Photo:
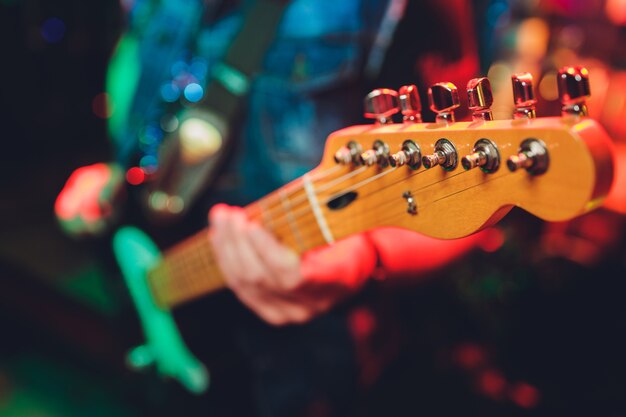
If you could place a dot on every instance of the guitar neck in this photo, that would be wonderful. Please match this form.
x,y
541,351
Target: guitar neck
x,y
293,214
336,200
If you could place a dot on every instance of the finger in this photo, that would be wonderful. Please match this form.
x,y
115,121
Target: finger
x,y
250,267
275,310
346,263
223,244
282,262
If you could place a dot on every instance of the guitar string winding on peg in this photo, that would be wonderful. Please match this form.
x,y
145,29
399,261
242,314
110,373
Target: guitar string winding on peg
x,y
484,155
532,156
480,98
573,84
444,155
523,96
381,104
410,155
349,154
443,99
379,154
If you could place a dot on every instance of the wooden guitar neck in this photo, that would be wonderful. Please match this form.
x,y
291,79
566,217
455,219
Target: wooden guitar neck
x,y
335,200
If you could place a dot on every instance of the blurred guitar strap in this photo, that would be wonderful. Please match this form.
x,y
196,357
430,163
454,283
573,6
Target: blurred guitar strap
x,y
191,157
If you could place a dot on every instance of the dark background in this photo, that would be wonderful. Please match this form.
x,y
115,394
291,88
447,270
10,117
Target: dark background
x,y
494,335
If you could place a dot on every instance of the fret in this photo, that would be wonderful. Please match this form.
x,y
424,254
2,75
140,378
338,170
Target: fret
x,y
266,216
284,199
189,270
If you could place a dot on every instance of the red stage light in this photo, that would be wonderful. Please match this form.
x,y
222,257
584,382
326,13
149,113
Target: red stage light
x,y
525,395
135,176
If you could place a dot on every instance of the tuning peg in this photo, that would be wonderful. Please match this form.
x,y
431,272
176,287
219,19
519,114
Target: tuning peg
x,y
410,155
532,156
523,96
381,104
410,103
480,98
444,155
443,98
349,154
379,154
573,83
484,155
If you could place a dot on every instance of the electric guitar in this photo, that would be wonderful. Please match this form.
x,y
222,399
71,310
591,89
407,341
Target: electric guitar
x,y
445,179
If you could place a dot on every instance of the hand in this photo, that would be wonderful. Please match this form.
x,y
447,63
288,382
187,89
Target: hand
x,y
273,281
87,203
283,288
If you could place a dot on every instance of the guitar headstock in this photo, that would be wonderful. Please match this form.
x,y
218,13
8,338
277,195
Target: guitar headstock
x,y
449,179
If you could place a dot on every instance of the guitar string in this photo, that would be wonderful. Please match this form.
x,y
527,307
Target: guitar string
x,y
300,213
177,252
303,208
206,284
312,228
334,222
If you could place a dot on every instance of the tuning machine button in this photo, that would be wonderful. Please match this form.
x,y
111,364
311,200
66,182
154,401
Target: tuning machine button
x,y
480,98
445,155
349,154
410,104
381,104
532,156
484,155
523,96
410,155
443,99
379,154
573,83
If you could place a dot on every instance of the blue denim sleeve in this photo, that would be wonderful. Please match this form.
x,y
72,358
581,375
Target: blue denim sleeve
x,y
306,90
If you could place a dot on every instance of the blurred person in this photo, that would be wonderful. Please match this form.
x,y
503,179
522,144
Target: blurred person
x,y
310,84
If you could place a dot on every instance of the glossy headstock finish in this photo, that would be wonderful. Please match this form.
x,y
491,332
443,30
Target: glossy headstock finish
x,y
455,203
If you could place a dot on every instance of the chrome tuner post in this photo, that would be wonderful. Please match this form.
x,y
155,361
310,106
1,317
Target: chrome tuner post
x,y
349,154
379,154
480,98
532,156
410,155
573,83
523,96
484,155
445,156
381,104
410,104
443,99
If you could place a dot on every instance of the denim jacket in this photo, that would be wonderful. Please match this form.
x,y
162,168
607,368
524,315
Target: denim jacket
x,y
302,93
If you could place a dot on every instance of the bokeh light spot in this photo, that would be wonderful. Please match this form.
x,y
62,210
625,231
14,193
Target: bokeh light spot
x,y
148,163
53,30
525,395
548,88
135,176
101,106
170,92
193,92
